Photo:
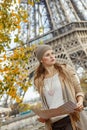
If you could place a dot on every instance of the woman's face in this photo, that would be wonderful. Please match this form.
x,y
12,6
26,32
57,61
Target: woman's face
x,y
48,58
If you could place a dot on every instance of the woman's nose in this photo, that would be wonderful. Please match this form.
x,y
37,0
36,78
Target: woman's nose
x,y
52,56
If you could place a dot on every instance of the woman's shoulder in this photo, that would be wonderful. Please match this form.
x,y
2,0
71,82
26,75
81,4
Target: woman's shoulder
x,y
66,66
63,65
69,68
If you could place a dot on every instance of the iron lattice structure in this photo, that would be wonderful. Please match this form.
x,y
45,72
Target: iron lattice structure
x,y
60,23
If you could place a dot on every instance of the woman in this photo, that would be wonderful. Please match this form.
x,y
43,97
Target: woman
x,y
57,84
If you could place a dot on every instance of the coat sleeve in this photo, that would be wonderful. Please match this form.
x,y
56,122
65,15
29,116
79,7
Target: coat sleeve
x,y
75,80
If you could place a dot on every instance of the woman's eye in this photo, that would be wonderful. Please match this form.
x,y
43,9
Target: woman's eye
x,y
52,53
47,54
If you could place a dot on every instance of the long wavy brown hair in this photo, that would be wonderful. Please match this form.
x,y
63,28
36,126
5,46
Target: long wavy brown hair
x,y
40,74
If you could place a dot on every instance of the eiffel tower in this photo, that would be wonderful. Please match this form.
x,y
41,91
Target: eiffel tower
x,y
61,24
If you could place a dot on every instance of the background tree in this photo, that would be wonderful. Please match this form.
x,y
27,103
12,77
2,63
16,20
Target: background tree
x,y
14,75
11,16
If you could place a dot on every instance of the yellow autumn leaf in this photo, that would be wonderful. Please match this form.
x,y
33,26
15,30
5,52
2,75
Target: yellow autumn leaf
x,y
1,60
19,27
1,26
41,30
1,70
24,89
5,57
13,14
19,1
25,21
6,69
18,100
17,22
31,2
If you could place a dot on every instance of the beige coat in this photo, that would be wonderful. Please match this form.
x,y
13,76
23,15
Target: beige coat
x,y
71,89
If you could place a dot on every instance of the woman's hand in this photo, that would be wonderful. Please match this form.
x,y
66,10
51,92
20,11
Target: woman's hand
x,y
79,104
42,120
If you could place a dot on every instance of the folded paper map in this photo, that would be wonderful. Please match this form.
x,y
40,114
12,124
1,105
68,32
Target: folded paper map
x,y
66,108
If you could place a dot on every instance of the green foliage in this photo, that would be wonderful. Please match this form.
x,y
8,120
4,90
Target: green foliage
x,y
10,18
13,66
15,73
